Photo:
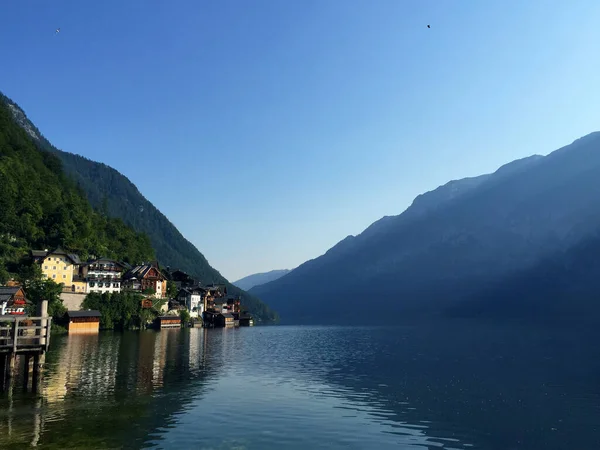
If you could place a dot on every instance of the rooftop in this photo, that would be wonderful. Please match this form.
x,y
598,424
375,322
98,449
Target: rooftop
x,y
59,251
84,314
6,292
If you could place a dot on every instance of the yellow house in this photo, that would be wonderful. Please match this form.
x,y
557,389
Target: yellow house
x,y
61,267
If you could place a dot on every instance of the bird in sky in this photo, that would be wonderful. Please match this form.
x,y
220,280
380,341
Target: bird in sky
x,y
428,26
57,30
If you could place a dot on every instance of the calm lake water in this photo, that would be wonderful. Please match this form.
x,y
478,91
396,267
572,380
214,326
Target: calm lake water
x,y
456,386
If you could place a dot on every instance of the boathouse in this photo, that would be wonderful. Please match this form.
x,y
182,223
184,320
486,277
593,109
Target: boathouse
x,y
246,320
83,321
170,321
225,320
215,319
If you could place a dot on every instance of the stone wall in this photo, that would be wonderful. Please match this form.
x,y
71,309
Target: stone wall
x,y
72,301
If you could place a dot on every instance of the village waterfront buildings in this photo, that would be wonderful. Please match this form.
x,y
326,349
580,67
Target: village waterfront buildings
x,y
207,304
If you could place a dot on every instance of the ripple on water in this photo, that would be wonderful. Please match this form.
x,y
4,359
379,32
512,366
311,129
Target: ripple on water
x,y
310,387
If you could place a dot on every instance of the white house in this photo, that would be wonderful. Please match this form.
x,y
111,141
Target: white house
x,y
193,299
103,275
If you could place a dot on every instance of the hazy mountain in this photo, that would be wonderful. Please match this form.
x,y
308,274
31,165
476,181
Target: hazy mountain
x,y
562,287
256,279
451,243
113,194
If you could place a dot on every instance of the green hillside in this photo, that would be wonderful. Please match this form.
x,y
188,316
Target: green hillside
x,y
41,207
112,194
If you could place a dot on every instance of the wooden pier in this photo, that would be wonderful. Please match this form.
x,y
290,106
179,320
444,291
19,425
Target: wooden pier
x,y
26,338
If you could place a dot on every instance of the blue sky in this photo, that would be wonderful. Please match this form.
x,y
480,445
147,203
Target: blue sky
x,y
267,131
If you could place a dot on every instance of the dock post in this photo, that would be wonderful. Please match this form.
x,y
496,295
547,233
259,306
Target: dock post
x,y
12,363
44,339
2,371
42,311
35,382
27,359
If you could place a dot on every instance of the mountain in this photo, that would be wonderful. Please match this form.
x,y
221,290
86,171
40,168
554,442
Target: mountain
x,y
259,278
41,207
451,243
562,287
111,193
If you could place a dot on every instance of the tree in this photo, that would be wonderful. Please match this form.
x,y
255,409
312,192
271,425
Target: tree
x,y
120,311
185,316
171,289
38,290
149,291
4,275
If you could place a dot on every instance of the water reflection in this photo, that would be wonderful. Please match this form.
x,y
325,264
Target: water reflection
x,y
311,387
107,390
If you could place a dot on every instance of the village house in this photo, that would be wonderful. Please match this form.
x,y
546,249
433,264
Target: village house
x,y
61,267
103,275
193,299
182,279
213,293
144,277
12,300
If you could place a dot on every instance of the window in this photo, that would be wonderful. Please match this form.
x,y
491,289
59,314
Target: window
x,y
115,285
92,284
53,267
65,268
46,267
53,276
64,276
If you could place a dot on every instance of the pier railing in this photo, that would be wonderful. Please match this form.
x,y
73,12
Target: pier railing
x,y
24,334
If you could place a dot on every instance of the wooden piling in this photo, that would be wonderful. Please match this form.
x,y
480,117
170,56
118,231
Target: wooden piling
x,y
37,366
2,372
26,361
12,364
17,339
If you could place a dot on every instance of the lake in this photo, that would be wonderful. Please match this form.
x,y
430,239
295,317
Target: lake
x,y
460,385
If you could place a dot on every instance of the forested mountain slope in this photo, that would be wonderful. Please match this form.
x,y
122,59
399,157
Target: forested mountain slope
x,y
41,207
113,194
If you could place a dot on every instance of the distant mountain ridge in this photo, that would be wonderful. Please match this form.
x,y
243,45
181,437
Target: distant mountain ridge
x,y
256,279
114,194
451,242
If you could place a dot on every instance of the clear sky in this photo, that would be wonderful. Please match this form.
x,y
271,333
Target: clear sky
x,y
267,131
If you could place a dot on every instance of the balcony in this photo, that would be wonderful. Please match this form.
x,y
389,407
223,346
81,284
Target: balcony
x,y
99,268
103,279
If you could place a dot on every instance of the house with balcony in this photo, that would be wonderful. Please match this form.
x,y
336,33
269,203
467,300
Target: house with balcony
x,y
144,277
103,275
